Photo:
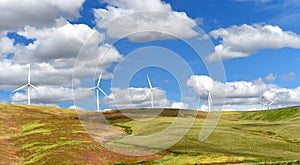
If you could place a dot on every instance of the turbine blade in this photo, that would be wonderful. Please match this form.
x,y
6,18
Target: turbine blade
x,y
28,78
24,86
274,101
91,88
147,95
149,82
99,79
102,91
35,88
268,99
159,89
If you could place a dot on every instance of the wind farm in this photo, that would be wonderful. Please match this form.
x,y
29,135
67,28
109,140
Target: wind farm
x,y
121,82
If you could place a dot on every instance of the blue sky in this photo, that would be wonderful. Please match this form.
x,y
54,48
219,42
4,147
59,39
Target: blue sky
x,y
255,42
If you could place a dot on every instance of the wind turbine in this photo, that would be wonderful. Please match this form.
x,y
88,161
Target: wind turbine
x,y
28,85
206,83
150,92
265,101
97,88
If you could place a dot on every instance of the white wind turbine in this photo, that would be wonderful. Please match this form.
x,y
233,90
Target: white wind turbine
x,y
28,85
150,92
97,88
208,87
206,83
267,101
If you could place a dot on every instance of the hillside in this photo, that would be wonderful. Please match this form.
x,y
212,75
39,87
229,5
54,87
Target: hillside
x,y
49,135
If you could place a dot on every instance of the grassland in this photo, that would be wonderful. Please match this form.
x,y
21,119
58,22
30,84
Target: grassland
x,y
49,135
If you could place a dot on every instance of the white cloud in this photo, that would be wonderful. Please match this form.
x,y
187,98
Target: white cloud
x,y
143,26
6,46
270,77
236,90
56,43
51,95
200,82
141,5
16,14
52,57
75,107
54,54
243,94
203,108
134,98
180,105
244,40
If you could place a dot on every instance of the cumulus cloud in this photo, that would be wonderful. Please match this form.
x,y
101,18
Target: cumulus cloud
x,y
180,105
135,98
62,42
16,14
153,20
241,94
52,56
54,52
200,82
244,40
50,95
6,46
235,91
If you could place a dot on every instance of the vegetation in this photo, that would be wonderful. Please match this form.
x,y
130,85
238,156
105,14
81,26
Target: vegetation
x,y
49,135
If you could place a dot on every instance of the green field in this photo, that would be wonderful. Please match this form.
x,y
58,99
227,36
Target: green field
x,y
49,135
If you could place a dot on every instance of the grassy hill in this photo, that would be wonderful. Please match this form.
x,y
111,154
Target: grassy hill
x,y
49,135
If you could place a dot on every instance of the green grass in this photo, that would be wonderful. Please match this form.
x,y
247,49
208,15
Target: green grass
x,y
40,150
273,115
49,135
263,136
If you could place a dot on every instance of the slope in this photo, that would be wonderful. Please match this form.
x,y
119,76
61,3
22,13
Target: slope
x,y
49,135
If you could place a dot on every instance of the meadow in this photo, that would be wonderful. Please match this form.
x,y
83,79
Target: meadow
x,y
49,135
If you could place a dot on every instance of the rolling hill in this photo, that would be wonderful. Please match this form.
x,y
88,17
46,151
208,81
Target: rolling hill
x,y
49,135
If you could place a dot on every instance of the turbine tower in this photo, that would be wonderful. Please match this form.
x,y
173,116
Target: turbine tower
x,y
207,85
150,92
28,85
97,88
209,99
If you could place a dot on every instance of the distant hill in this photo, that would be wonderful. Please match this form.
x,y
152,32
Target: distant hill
x,y
49,135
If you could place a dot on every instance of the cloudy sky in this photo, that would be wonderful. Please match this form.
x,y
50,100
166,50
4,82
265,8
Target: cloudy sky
x,y
241,49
